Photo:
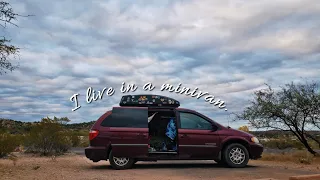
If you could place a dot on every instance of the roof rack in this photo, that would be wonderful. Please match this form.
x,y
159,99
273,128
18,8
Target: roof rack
x,y
148,100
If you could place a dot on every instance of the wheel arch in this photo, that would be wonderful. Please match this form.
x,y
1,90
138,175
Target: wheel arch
x,y
109,148
238,140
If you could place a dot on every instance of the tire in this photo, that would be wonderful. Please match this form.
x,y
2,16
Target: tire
x,y
241,153
120,163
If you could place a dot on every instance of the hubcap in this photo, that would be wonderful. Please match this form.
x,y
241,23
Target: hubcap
x,y
120,161
237,155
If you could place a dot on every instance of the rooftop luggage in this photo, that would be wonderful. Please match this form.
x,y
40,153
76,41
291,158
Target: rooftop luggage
x,y
148,101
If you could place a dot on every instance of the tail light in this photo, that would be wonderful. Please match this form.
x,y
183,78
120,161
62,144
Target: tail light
x,y
93,134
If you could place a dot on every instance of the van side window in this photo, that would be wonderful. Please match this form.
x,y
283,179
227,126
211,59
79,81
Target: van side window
x,y
192,121
126,117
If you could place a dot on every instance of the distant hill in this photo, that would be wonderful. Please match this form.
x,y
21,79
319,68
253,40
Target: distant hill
x,y
277,133
19,127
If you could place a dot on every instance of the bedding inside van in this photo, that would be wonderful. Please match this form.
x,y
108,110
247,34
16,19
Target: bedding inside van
x,y
162,131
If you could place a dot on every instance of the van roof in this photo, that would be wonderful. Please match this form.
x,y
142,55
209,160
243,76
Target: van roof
x,y
164,107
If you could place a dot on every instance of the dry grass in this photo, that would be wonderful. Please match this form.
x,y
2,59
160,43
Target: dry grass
x,y
13,158
303,157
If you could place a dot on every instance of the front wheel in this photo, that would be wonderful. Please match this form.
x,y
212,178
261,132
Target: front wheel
x,y
236,155
120,163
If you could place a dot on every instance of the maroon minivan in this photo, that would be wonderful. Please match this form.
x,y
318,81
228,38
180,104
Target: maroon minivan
x,y
153,127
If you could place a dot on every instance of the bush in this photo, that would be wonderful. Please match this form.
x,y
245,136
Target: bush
x,y
84,143
79,138
48,137
8,143
283,144
244,128
298,156
75,140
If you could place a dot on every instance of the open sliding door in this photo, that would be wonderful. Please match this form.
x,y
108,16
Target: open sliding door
x,y
129,138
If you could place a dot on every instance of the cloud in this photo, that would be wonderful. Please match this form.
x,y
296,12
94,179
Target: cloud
x,y
226,48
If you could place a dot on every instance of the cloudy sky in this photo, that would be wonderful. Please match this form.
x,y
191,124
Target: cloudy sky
x,y
227,48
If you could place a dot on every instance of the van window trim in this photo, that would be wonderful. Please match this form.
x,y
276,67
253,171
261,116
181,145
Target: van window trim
x,y
197,114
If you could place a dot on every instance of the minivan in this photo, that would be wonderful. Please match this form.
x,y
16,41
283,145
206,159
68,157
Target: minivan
x,y
153,127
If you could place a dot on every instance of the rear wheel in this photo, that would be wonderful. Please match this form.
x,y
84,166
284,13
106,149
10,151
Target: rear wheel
x,y
120,162
236,155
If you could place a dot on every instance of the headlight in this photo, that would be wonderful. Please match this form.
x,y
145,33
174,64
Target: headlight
x,y
255,140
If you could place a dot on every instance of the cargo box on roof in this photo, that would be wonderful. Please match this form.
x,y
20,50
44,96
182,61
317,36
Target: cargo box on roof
x,y
148,101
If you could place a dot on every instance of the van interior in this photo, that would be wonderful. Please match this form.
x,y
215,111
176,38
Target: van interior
x,y
162,132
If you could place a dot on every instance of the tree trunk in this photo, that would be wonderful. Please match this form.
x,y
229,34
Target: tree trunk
x,y
306,144
313,138
302,138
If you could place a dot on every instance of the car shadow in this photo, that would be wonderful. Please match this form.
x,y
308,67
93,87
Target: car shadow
x,y
172,166
180,166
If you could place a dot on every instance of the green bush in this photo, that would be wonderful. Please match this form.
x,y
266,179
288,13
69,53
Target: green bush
x,y
84,142
75,140
79,138
48,137
83,133
8,143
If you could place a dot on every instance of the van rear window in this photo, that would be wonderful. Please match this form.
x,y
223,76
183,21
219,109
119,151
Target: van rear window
x,y
127,117
105,122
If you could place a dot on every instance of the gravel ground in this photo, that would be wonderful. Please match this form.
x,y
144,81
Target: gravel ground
x,y
74,166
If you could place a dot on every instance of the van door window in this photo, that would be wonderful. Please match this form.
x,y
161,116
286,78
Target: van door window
x,y
127,117
192,121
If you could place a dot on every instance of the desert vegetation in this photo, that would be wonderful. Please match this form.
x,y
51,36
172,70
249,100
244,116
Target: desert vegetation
x,y
282,146
7,50
294,108
50,136
55,136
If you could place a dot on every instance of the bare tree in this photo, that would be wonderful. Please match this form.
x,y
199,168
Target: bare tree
x,y
7,16
295,107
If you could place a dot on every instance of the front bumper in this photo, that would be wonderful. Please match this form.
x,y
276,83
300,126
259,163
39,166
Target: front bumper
x,y
256,151
96,153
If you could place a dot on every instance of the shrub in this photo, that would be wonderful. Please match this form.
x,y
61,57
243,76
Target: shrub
x,y
283,144
75,140
84,143
79,138
8,143
48,137
299,156
244,128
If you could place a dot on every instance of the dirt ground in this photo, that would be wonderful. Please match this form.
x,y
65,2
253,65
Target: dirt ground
x,y
75,166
